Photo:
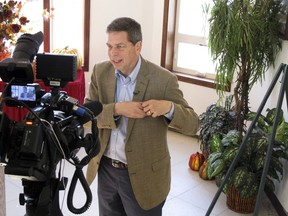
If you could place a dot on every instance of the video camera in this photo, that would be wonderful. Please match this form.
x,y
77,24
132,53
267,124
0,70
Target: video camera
x,y
51,131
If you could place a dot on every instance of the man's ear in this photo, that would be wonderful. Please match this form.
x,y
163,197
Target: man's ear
x,y
138,46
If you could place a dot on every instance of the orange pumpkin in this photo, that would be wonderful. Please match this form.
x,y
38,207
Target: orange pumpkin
x,y
72,51
196,160
203,171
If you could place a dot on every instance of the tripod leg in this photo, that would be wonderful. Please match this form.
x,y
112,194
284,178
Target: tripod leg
x,y
283,89
31,196
42,198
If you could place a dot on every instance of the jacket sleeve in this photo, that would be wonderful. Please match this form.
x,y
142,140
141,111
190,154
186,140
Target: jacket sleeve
x,y
185,119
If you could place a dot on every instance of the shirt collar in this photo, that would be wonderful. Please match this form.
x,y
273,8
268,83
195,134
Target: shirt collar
x,y
133,74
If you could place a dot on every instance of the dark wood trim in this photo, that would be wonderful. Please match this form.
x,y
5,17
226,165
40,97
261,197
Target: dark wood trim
x,y
46,27
209,83
86,34
168,33
167,49
195,80
164,33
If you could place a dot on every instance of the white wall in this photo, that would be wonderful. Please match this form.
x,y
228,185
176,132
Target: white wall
x,y
149,14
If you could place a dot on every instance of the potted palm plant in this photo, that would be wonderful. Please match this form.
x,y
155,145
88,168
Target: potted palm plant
x,y
244,39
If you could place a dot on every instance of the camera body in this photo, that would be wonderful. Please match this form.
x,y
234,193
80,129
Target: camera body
x,y
25,151
51,131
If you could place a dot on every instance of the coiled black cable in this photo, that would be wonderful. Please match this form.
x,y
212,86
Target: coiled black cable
x,y
78,174
92,151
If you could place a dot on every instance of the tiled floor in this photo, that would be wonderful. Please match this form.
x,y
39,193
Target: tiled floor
x,y
189,195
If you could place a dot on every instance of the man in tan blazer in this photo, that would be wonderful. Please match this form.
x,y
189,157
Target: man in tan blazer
x,y
140,100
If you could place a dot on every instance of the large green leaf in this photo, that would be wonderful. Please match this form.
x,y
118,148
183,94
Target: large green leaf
x,y
258,162
232,137
214,156
250,189
282,134
271,115
277,166
211,165
261,145
216,144
217,167
229,153
245,182
260,121
239,176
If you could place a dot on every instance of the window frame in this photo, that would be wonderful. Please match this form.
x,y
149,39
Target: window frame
x,y
86,41
167,50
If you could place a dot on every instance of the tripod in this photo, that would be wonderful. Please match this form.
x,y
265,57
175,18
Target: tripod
x,y
283,68
42,198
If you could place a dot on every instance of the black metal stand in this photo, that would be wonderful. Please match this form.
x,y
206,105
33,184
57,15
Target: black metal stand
x,y
283,68
42,198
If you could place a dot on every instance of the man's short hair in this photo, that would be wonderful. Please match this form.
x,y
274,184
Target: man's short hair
x,y
128,25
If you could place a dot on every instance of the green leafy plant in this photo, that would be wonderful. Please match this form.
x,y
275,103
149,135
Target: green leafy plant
x,y
247,173
244,39
217,120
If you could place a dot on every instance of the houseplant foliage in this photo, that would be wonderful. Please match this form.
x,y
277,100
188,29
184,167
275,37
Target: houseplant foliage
x,y
216,121
244,38
246,175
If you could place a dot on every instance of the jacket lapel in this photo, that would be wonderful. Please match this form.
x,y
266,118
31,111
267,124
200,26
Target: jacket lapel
x,y
111,81
139,91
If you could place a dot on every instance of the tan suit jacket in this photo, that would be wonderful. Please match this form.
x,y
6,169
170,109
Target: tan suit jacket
x,y
146,148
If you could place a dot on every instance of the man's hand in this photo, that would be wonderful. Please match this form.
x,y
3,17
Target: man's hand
x,y
130,109
156,108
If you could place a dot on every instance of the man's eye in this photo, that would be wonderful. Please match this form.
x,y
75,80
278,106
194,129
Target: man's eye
x,y
117,47
120,46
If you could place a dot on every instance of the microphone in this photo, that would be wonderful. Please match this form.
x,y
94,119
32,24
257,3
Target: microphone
x,y
136,92
94,106
87,112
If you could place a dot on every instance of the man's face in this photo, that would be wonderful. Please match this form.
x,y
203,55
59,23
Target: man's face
x,y
122,53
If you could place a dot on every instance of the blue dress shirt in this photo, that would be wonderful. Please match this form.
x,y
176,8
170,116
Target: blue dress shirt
x,y
124,92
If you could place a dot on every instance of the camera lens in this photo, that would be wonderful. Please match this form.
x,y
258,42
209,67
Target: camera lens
x,y
27,46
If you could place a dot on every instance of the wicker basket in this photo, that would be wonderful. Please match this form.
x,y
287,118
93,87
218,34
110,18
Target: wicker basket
x,y
238,204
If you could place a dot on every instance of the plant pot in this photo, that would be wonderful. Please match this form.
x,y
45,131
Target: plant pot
x,y
238,204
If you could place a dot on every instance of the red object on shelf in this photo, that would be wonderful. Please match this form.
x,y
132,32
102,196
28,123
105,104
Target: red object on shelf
x,y
75,89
